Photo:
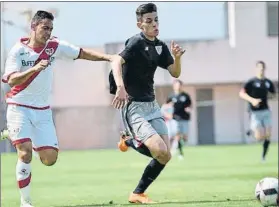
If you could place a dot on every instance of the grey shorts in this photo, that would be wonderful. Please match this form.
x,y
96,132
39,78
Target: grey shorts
x,y
177,127
142,120
260,119
182,127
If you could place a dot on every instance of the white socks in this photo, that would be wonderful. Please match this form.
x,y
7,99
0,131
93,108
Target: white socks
x,y
23,176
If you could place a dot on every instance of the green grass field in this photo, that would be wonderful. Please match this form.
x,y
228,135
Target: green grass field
x,y
219,176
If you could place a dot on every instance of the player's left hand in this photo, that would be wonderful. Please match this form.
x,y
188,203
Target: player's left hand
x,y
121,98
176,50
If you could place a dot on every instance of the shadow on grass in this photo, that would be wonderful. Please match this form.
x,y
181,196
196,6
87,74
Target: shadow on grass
x,y
163,203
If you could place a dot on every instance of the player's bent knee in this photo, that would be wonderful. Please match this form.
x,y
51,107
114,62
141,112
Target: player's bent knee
x,y
48,161
158,149
163,156
25,156
24,151
155,144
48,157
167,157
259,135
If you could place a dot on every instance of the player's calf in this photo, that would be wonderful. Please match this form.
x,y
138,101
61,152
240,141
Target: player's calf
x,y
23,171
266,143
161,155
268,133
48,156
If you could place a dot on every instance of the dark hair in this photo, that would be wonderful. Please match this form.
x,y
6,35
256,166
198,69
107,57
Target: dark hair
x,y
178,81
261,62
169,99
144,9
41,15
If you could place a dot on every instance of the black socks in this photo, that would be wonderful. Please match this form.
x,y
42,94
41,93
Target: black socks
x,y
265,147
180,147
150,173
142,149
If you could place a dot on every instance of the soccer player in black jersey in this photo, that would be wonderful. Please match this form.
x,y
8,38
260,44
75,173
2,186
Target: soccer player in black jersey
x,y
132,82
257,91
182,104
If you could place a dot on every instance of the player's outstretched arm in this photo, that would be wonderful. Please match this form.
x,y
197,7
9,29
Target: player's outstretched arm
x,y
116,65
69,51
89,54
177,52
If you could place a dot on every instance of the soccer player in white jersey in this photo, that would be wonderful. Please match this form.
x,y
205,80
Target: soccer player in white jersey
x,y
28,72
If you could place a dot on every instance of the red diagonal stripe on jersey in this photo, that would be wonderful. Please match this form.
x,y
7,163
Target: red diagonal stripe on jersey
x,y
43,56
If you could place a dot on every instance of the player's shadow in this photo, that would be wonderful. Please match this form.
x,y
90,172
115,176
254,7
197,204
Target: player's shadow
x,y
164,203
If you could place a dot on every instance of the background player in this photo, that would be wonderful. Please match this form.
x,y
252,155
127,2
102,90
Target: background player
x,y
167,112
257,91
182,107
142,55
28,71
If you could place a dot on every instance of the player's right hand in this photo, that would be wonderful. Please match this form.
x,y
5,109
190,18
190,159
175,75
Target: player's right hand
x,y
121,98
256,102
42,65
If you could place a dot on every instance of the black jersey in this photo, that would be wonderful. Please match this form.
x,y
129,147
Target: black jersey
x,y
180,102
142,57
259,88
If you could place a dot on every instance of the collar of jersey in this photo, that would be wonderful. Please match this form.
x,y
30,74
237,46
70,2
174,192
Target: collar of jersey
x,y
149,41
24,39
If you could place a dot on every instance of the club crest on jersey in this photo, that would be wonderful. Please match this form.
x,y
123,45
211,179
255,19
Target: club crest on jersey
x,y
267,84
174,100
49,51
183,98
257,84
158,49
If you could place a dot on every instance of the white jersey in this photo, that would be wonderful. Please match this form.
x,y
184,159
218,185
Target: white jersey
x,y
35,93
